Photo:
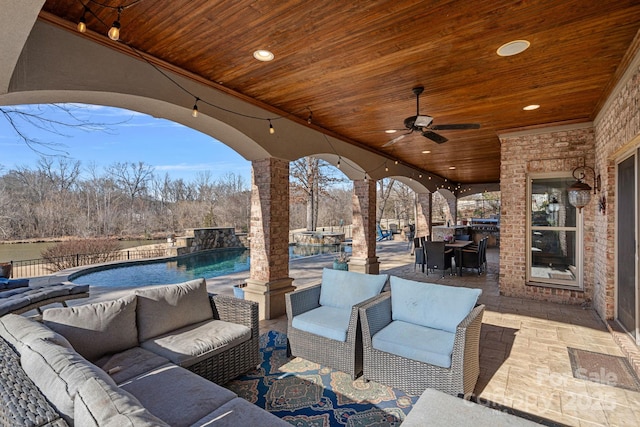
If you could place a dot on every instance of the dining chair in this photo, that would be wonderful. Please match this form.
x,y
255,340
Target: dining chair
x,y
438,257
418,252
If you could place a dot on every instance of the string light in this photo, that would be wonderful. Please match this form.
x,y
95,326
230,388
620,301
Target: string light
x,y
386,168
194,113
114,31
82,23
271,129
338,165
310,116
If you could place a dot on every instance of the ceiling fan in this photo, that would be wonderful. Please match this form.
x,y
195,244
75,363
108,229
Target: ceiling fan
x,y
424,124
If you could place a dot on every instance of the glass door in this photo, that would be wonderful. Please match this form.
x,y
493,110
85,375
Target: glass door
x,y
627,294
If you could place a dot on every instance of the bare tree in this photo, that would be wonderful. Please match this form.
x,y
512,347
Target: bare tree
x,y
385,186
24,118
310,180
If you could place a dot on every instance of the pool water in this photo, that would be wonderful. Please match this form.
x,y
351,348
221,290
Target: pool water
x,y
214,263
204,264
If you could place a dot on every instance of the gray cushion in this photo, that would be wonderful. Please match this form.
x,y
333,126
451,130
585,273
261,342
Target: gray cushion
x,y
177,396
58,372
428,304
96,329
326,321
130,363
344,289
19,330
415,342
162,309
191,344
98,403
239,412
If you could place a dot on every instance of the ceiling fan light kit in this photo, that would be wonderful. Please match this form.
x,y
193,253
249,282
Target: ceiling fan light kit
x,y
424,124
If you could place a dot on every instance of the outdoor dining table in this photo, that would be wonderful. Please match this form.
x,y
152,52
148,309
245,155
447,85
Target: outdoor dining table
x,y
457,247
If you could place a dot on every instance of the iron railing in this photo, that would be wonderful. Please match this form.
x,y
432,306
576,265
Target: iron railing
x,y
46,266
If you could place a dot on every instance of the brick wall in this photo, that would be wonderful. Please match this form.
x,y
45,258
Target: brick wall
x,y
269,219
617,130
557,149
364,218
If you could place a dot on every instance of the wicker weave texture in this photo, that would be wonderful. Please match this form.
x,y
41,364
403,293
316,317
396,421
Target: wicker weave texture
x,y
21,403
344,356
413,376
223,367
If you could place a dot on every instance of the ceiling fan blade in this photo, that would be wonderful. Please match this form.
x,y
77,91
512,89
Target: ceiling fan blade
x,y
396,139
434,137
459,126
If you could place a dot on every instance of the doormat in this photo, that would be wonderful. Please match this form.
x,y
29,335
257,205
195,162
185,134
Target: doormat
x,y
602,368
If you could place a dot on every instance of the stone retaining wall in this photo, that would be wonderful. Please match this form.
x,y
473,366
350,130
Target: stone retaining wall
x,y
202,239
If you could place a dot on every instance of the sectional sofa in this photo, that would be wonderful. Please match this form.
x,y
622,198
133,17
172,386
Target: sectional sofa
x,y
156,357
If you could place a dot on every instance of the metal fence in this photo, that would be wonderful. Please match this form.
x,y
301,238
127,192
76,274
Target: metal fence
x,y
43,267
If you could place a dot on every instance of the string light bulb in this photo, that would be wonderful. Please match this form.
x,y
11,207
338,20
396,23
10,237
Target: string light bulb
x,y
114,31
82,23
271,129
386,168
309,119
194,113
338,165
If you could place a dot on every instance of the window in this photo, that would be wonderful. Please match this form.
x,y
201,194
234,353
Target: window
x,y
554,233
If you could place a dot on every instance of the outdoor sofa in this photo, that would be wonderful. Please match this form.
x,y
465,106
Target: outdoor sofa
x,y
18,296
132,362
423,335
322,320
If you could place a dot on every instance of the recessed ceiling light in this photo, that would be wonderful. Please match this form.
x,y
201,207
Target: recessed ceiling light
x,y
531,107
263,55
452,167
390,131
426,151
513,48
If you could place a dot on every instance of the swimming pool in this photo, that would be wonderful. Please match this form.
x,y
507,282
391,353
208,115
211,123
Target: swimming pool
x,y
207,264
214,263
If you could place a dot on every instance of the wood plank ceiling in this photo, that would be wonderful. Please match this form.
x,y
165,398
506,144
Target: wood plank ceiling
x,y
354,64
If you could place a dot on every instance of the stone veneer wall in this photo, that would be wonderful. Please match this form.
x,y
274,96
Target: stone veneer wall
x,y
558,149
617,130
202,239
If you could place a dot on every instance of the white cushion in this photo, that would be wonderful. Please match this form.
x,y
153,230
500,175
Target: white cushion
x,y
58,372
177,396
97,329
191,344
326,321
19,330
415,342
162,309
427,304
98,404
344,289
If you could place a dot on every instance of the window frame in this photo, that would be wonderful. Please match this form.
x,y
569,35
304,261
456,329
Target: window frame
x,y
578,283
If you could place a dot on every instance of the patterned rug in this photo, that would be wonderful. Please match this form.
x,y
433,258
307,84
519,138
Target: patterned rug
x,y
603,368
306,394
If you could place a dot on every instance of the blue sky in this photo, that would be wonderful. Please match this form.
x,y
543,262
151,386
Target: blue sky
x,y
129,137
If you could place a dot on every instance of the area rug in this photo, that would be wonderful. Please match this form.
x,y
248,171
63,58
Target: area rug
x,y
306,394
603,368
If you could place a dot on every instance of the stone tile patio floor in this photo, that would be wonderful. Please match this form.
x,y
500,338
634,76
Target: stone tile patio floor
x,y
523,347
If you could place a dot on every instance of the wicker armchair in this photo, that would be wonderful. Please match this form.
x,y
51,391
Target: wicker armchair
x,y
345,356
414,376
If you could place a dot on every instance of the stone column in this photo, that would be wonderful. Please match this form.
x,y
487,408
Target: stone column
x,y
364,259
269,277
424,206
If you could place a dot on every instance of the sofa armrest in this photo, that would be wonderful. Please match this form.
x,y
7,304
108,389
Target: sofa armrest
x,y
467,340
302,300
375,314
235,310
